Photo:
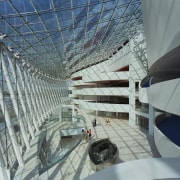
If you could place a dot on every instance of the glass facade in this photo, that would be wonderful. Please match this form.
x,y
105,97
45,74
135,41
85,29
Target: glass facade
x,y
41,44
59,37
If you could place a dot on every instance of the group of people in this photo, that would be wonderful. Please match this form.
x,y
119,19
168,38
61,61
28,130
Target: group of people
x,y
86,134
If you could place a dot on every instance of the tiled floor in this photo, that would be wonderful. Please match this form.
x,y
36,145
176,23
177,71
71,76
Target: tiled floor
x,y
132,142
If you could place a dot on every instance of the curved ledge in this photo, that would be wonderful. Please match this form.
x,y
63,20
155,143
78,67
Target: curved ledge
x,y
166,137
165,68
152,168
168,66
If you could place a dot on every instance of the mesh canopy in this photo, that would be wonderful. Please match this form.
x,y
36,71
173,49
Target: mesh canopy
x,y
59,37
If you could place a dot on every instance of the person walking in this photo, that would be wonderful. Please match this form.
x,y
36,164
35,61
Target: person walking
x,y
90,134
83,135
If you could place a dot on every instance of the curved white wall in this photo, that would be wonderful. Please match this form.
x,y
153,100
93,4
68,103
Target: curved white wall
x,y
165,147
143,97
166,96
162,27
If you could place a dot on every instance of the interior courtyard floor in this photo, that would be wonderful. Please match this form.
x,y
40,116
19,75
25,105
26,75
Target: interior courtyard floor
x,y
132,142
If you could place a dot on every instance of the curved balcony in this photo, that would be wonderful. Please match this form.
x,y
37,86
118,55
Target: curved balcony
x,y
165,95
111,76
123,91
102,106
166,135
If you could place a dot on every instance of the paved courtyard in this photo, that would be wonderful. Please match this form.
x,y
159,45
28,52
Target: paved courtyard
x,y
133,143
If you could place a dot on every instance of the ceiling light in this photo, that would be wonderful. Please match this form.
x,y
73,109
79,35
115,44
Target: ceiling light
x,y
9,48
3,36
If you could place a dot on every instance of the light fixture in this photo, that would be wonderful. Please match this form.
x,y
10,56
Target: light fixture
x,y
9,48
3,36
16,55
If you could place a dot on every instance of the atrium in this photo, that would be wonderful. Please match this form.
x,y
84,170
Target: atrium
x,y
65,64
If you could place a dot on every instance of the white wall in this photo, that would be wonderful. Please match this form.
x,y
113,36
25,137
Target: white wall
x,y
165,147
143,97
166,96
162,27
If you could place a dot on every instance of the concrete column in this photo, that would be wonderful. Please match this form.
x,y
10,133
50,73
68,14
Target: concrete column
x,y
132,116
151,120
15,104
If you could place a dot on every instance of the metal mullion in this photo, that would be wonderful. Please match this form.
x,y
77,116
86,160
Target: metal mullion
x,y
21,98
39,41
73,18
35,97
9,124
85,29
96,26
15,104
48,11
42,96
60,29
32,99
57,95
45,98
54,96
50,96
49,92
26,25
119,21
109,22
27,95
51,89
42,23
13,29
39,99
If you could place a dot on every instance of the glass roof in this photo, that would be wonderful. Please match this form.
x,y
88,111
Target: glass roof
x,y
59,37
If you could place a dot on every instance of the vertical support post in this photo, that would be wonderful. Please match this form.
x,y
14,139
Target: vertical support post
x,y
9,124
3,170
32,99
21,99
28,99
15,105
36,99
41,99
132,117
11,130
151,120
